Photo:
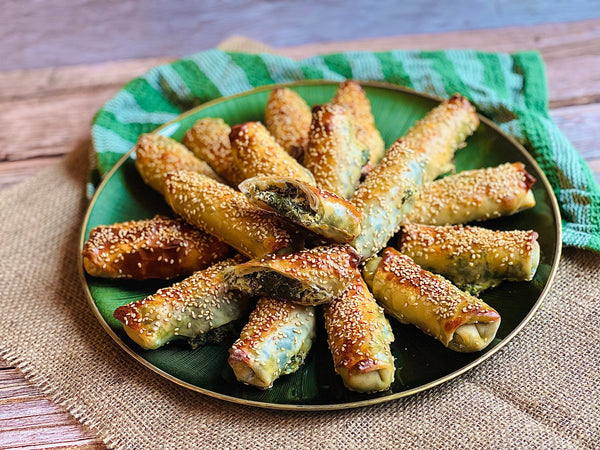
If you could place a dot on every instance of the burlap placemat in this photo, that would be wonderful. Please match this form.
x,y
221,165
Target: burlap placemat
x,y
540,391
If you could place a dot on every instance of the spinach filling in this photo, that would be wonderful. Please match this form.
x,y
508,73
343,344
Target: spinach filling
x,y
289,201
276,285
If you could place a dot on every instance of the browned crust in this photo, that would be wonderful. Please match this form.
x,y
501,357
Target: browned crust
x,y
255,153
265,317
154,248
228,214
208,139
351,95
287,117
350,208
333,148
139,315
158,155
445,201
441,132
353,322
453,307
458,240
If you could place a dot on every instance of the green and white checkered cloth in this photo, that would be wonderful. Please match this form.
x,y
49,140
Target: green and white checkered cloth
x,y
510,89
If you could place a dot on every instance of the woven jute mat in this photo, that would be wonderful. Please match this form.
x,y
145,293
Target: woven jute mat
x,y
539,391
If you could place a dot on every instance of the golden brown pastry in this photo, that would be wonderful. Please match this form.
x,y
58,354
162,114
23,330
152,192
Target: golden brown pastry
x,y
186,310
415,296
441,132
385,197
334,155
255,153
317,210
359,337
309,277
473,258
153,248
352,96
208,139
274,342
226,213
472,195
158,155
287,117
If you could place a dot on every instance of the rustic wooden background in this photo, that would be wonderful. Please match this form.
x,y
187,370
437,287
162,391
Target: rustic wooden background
x,y
61,60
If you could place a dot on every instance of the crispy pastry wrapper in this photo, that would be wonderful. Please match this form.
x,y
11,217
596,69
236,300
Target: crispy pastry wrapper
x,y
156,156
474,195
473,258
208,139
352,96
442,131
317,210
255,153
415,296
386,196
228,214
154,248
186,309
359,337
334,155
309,277
274,342
287,117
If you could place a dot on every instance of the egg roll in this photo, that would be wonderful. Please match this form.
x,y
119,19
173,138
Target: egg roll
x,y
185,310
413,295
359,337
274,342
255,152
442,131
287,117
352,96
473,258
334,155
208,139
227,214
157,155
386,196
309,277
474,195
154,248
317,210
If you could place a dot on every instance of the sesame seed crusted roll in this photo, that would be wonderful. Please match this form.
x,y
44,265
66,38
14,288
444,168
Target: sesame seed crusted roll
x,y
352,96
154,248
473,195
274,342
287,117
315,209
473,258
442,131
187,309
415,296
386,196
208,139
359,337
334,155
255,152
309,277
158,155
228,214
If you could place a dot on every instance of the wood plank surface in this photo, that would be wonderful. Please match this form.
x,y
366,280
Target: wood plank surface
x,y
46,112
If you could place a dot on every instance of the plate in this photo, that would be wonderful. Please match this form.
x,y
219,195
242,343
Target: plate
x,y
421,361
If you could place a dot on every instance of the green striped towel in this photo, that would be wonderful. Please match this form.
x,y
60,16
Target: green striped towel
x,y
510,89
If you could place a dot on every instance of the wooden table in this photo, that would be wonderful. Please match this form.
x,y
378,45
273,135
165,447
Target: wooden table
x,y
46,113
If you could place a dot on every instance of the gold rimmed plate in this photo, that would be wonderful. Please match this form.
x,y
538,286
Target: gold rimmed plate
x,y
421,361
